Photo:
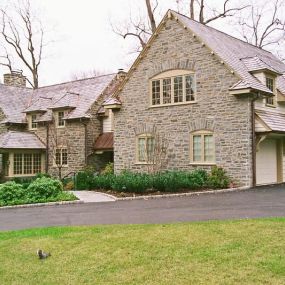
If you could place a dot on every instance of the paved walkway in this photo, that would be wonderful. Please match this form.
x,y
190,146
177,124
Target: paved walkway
x,y
255,203
92,196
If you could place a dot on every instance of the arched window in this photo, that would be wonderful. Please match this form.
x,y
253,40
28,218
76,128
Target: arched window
x,y
173,87
202,147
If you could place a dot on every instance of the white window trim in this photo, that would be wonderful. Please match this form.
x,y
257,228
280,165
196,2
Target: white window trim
x,y
30,122
202,162
57,119
54,160
171,74
145,136
274,105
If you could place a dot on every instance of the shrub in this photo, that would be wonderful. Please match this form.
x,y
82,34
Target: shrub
x,y
132,182
11,192
102,182
69,185
108,169
218,178
83,180
43,188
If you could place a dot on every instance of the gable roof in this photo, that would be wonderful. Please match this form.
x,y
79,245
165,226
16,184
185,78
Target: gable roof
x,y
20,140
242,57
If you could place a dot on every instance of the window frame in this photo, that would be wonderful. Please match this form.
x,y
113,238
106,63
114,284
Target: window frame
x,y
58,120
172,75
31,122
61,151
202,133
274,99
145,137
35,159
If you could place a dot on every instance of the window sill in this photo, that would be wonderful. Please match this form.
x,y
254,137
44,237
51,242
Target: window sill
x,y
60,127
270,106
174,104
203,163
62,166
144,163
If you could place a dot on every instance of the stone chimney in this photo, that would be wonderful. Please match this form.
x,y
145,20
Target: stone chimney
x,y
121,74
15,78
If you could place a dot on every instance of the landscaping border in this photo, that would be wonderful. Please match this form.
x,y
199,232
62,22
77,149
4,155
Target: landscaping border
x,y
146,197
42,204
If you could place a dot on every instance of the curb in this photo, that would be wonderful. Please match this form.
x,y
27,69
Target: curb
x,y
145,197
41,204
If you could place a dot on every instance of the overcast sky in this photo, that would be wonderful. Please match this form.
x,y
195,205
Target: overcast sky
x,y
83,37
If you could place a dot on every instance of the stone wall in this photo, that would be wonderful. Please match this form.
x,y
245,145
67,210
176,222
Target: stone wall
x,y
215,109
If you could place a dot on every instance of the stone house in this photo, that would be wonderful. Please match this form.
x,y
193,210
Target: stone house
x,y
196,97
56,129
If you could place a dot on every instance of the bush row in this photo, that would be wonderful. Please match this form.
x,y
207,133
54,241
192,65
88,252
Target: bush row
x,y
41,190
170,181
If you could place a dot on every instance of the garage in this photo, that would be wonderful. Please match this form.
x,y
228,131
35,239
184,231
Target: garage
x,y
266,162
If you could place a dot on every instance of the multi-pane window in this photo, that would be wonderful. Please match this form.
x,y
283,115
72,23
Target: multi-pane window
x,y
270,86
145,147
202,147
61,156
173,90
60,120
156,92
27,163
34,124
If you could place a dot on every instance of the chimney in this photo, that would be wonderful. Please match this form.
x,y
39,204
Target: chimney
x,y
121,74
15,78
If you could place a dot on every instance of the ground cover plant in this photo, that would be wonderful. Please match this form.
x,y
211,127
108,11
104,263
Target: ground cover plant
x,y
40,190
168,181
215,252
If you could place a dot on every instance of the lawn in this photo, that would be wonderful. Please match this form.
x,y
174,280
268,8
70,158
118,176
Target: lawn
x,y
226,252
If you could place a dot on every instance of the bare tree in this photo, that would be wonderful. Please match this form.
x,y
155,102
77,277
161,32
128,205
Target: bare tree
x,y
143,27
87,74
264,26
22,36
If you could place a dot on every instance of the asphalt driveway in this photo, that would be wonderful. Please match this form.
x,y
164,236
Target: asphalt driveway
x,y
254,203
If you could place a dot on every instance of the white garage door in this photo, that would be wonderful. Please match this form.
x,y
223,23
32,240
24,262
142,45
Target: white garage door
x,y
266,162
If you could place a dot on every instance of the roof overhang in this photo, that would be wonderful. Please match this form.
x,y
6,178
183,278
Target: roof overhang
x,y
250,92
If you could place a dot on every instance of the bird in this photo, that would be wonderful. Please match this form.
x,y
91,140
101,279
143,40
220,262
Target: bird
x,y
43,255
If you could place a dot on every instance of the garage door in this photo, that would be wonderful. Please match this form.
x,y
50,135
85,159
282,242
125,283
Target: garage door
x,y
266,162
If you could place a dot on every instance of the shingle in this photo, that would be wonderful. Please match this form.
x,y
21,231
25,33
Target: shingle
x,y
20,140
233,51
105,142
275,121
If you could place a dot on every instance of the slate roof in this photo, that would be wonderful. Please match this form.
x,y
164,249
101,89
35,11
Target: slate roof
x,y
275,121
105,142
20,140
239,55
77,95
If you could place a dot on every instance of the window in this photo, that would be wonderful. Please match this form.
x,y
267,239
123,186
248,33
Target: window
x,y
61,157
27,163
33,123
145,148
60,120
270,86
173,88
202,147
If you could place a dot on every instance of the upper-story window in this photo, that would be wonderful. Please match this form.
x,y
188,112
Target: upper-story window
x,y
33,125
270,86
173,87
60,120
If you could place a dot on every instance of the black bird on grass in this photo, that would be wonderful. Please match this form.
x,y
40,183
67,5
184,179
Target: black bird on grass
x,y
43,255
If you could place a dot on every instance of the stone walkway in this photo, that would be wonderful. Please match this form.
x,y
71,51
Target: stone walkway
x,y
92,196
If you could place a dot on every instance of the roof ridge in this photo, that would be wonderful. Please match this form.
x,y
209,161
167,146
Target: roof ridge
x,y
78,80
228,35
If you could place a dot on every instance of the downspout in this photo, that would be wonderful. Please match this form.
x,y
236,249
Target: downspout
x,y
47,146
256,96
85,142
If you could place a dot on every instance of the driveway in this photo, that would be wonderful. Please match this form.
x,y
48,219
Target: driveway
x,y
255,203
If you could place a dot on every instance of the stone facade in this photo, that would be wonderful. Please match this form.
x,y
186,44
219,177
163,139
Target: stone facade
x,y
215,109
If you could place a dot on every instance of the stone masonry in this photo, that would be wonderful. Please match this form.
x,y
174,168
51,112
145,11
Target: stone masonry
x,y
216,110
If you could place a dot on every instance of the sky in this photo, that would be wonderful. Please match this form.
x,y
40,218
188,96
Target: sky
x,y
82,38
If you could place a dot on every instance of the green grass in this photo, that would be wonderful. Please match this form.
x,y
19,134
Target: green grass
x,y
227,252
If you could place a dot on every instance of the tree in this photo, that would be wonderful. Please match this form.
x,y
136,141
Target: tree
x,y
21,38
264,25
143,27
87,74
